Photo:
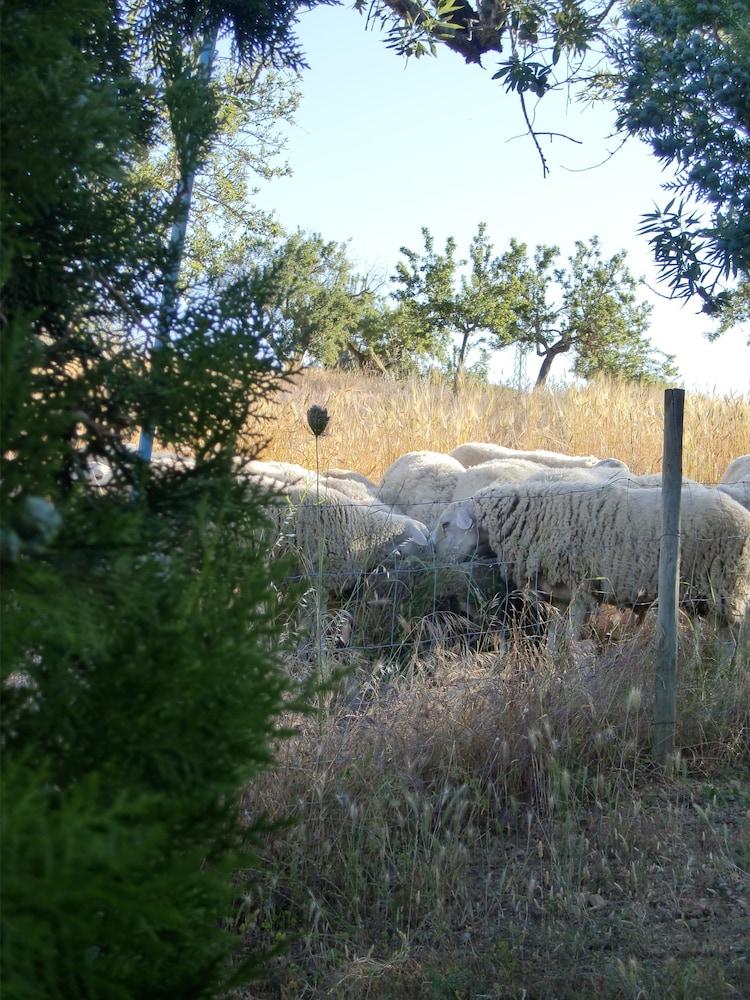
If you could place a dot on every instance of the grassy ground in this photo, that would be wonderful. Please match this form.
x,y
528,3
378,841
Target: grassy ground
x,y
479,822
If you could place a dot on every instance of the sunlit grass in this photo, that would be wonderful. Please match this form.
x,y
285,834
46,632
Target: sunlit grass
x,y
374,421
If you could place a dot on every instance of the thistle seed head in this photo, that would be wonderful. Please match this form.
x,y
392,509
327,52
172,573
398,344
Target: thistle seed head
x,y
317,419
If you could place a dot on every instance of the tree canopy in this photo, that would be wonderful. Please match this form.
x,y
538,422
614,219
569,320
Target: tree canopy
x,y
589,309
314,297
683,85
678,76
475,308
227,233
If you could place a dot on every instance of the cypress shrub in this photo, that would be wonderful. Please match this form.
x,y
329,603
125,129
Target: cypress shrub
x,y
142,684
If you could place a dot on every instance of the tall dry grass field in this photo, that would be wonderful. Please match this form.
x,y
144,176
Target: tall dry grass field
x,y
469,821
374,421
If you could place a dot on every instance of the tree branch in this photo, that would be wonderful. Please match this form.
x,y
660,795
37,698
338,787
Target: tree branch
x,y
533,134
466,40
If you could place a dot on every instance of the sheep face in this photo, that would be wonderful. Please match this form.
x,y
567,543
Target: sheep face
x,y
458,535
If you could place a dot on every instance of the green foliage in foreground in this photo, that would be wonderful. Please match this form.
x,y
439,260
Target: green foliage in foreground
x,y
141,680
148,696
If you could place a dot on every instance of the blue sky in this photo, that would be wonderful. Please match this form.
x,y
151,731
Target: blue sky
x,y
382,147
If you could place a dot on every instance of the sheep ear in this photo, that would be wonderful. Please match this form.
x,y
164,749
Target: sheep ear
x,y
464,520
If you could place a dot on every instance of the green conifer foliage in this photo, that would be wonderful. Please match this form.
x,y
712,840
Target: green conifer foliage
x,y
141,682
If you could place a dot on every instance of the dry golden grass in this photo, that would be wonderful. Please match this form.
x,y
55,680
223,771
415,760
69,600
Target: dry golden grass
x,y
374,420
489,826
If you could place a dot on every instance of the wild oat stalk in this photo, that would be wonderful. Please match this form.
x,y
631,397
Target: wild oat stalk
x,y
317,421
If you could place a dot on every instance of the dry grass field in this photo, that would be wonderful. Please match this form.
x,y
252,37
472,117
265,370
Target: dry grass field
x,y
373,421
475,822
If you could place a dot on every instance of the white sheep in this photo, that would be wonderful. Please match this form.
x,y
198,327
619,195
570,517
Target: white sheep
x,y
653,480
320,525
171,460
738,471
600,543
608,470
352,484
474,452
352,476
610,464
576,474
736,481
420,484
499,470
98,472
287,473
739,492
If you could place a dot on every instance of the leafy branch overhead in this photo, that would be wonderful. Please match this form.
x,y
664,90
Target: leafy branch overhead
x,y
543,31
683,85
678,75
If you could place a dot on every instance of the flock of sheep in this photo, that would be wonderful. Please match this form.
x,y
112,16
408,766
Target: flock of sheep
x,y
572,529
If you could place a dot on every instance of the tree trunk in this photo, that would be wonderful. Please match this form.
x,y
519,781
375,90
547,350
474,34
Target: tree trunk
x,y
177,238
559,348
365,358
460,364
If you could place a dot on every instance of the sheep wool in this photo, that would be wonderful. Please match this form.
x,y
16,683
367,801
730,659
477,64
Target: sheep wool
x,y
602,473
320,525
352,484
738,471
739,492
499,470
420,484
351,475
600,543
475,452
284,472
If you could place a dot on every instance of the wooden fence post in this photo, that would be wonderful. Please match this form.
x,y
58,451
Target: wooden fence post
x,y
669,576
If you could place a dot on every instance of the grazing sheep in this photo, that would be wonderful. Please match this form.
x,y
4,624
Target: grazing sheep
x,y
475,452
610,464
420,483
738,471
736,481
351,538
653,480
609,471
576,474
171,460
739,492
600,543
352,484
351,476
499,470
98,472
286,473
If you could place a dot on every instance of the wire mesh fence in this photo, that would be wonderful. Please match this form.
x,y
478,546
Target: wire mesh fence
x,y
402,606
